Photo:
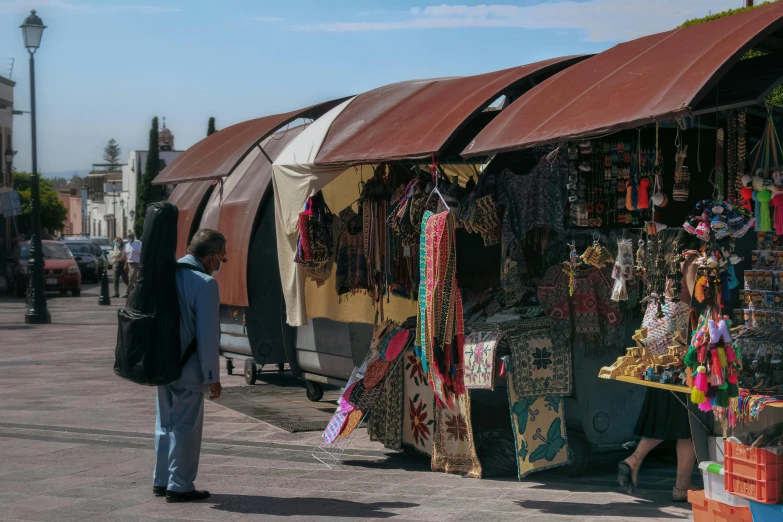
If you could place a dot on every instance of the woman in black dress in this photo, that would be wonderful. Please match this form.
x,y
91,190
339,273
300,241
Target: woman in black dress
x,y
663,417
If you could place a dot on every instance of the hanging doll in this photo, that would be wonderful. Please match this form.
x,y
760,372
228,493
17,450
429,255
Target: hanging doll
x,y
623,270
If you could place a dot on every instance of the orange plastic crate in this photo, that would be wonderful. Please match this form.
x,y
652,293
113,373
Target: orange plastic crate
x,y
753,473
711,511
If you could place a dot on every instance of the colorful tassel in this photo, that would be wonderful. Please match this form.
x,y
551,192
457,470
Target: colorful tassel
x,y
643,200
730,355
724,287
717,373
699,291
722,357
747,197
700,381
763,197
705,406
697,396
690,359
733,390
723,398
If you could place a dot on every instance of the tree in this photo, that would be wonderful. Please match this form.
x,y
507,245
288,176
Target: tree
x,y
211,126
147,192
776,96
111,154
53,212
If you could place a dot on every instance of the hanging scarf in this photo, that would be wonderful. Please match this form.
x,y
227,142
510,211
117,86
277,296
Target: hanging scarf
x,y
351,262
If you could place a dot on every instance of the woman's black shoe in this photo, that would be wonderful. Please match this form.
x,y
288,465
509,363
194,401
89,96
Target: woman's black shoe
x,y
190,496
159,491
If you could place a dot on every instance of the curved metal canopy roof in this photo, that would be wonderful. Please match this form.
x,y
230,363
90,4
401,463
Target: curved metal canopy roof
x,y
217,155
657,77
414,119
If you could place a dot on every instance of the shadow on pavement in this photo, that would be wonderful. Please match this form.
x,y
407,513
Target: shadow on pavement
x,y
299,506
406,462
648,509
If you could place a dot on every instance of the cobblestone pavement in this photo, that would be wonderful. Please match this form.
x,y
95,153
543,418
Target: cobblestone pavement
x,y
76,445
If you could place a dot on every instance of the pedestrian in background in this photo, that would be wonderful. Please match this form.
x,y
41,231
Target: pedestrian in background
x,y
118,260
180,405
133,257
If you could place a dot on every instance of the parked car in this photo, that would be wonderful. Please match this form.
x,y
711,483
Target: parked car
x,y
61,272
106,246
89,257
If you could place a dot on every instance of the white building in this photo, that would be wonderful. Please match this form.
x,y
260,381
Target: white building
x,y
111,212
6,143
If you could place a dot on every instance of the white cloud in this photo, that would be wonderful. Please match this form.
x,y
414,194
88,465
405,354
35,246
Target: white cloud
x,y
268,19
600,20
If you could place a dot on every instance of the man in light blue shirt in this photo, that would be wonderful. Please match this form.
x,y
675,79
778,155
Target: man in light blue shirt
x,y
180,405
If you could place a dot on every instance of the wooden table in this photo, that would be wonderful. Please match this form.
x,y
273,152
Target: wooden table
x,y
671,387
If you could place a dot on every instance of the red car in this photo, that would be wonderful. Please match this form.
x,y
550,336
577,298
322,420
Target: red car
x,y
61,273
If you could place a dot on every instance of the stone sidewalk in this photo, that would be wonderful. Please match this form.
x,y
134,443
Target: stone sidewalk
x,y
76,445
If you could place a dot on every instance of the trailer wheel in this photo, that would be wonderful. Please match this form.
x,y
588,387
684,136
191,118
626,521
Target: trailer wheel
x,y
314,391
251,372
230,366
578,455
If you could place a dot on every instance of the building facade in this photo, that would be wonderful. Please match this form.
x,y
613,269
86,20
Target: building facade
x,y
6,169
72,200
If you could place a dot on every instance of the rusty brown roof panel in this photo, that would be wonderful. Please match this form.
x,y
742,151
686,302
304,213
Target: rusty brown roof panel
x,y
216,156
236,217
187,197
416,118
654,78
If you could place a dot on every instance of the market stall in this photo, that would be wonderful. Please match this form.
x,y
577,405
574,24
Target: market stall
x,y
696,152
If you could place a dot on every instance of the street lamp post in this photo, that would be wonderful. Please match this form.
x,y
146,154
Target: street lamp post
x,y
124,224
114,209
32,30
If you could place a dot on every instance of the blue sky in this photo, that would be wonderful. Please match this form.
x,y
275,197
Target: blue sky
x,y
106,67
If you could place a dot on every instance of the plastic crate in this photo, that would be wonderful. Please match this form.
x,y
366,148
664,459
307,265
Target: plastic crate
x,y
714,485
713,511
753,473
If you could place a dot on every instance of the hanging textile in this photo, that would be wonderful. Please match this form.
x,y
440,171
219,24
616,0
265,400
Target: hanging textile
x,y
536,199
661,330
351,261
453,447
418,425
441,324
588,319
541,362
387,416
480,351
514,278
539,430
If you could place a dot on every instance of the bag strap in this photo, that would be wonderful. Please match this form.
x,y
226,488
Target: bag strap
x,y
191,349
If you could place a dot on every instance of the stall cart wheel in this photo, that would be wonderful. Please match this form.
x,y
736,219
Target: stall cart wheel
x,y
230,366
314,391
578,454
251,372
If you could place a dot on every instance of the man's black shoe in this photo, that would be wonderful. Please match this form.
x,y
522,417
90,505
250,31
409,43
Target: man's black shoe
x,y
190,496
159,491
125,296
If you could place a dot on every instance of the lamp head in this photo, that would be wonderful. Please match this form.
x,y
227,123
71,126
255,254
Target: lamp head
x,y
32,30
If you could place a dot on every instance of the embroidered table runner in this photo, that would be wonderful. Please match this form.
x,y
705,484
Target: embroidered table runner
x,y
454,450
419,406
480,350
539,430
541,363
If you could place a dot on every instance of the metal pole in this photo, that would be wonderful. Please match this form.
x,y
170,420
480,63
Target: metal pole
x,y
38,312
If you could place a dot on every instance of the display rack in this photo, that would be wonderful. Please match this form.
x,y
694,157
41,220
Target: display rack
x,y
330,455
